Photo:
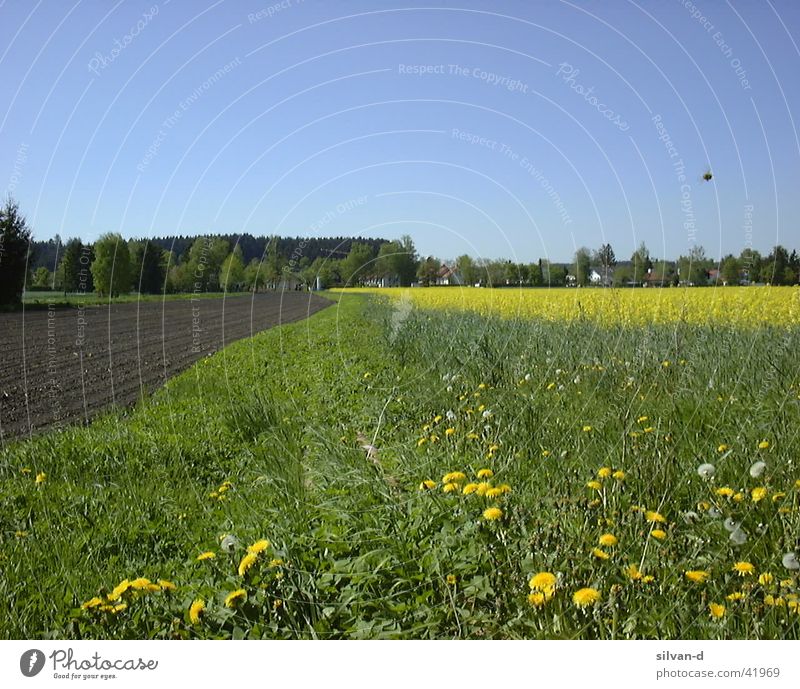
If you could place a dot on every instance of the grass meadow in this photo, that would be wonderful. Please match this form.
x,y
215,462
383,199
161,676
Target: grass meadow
x,y
399,469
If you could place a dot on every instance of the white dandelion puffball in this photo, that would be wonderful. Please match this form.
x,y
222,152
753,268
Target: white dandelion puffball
x,y
790,561
714,513
706,470
757,469
229,543
738,536
449,388
487,414
528,377
450,415
730,524
690,517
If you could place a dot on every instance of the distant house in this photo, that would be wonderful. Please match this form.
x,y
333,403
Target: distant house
x,y
382,281
448,276
600,276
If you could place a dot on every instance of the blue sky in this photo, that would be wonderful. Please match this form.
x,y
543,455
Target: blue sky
x,y
505,128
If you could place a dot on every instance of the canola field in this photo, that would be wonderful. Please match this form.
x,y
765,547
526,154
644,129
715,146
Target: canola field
x,y
439,463
743,307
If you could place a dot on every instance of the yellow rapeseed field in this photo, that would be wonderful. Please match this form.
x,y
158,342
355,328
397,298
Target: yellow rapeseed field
x,y
735,306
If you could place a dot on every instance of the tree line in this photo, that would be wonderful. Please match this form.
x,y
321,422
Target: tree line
x,y
113,265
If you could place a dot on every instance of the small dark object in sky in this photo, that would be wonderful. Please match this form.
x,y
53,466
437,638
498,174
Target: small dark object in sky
x,y
707,176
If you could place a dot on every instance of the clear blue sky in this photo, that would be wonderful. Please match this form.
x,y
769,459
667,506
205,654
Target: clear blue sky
x,y
535,127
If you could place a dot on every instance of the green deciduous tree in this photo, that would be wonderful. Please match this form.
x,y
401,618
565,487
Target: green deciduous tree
x,y
111,268
231,274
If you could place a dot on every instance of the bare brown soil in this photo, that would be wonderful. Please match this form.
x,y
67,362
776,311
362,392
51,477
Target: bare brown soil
x,y
65,366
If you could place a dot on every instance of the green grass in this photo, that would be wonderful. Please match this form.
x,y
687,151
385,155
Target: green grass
x,y
366,553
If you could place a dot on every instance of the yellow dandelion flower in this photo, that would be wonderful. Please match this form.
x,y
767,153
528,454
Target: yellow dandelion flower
x,y
546,453
434,438
758,494
604,472
619,475
659,534
594,485
769,599
600,554
492,513
698,576
649,429
494,493
119,590
797,483
450,487
437,418
722,448
551,386
585,597
633,573
485,473
716,610
537,599
427,485
246,563
258,546
140,583
765,578
232,599
473,436
421,442
41,477
736,595
648,579
451,579
763,445
743,568
208,555
778,496
483,488
166,585
92,603
195,610
470,488
542,581
587,429
738,497
654,517
454,477
449,431
724,492
642,419
786,583
504,488
608,539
